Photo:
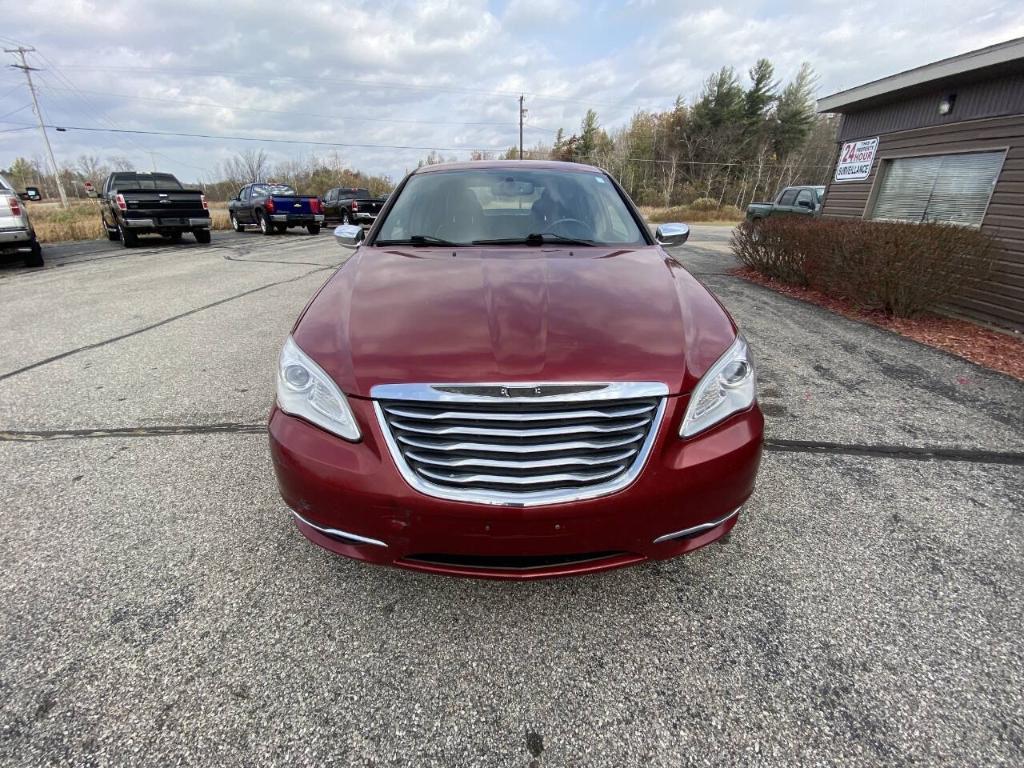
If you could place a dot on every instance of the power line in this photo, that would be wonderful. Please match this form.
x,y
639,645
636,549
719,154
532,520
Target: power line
x,y
14,111
266,140
24,67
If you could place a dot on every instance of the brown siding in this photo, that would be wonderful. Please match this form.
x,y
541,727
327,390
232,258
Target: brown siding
x,y
1001,299
988,98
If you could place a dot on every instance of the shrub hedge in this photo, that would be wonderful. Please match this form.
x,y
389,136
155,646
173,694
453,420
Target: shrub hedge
x,y
901,268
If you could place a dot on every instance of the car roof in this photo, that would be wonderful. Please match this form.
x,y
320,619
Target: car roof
x,y
488,165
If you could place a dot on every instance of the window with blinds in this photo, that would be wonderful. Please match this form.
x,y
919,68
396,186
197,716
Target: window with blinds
x,y
947,188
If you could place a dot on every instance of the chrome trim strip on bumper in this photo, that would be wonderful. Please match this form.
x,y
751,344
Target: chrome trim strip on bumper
x,y
686,532
521,498
334,532
520,391
132,223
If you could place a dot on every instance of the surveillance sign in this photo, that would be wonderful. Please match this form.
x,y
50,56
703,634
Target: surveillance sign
x,y
856,159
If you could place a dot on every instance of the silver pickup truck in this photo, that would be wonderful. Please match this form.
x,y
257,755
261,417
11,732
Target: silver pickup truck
x,y
17,237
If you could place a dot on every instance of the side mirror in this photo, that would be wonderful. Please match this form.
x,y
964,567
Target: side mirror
x,y
348,235
806,204
671,235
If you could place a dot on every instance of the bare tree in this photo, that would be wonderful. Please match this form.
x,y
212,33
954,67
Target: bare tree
x,y
255,162
90,168
121,163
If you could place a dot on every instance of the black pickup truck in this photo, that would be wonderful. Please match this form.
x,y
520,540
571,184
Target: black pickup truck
x,y
352,205
274,208
132,204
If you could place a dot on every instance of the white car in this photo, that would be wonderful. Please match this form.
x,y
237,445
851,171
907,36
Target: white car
x,y
16,234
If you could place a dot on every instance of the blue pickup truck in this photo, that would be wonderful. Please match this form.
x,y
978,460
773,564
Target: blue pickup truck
x,y
274,208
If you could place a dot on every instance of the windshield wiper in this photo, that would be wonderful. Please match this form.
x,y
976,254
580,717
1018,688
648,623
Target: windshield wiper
x,y
536,238
418,240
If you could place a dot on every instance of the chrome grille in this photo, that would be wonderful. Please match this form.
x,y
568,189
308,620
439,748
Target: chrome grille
x,y
567,442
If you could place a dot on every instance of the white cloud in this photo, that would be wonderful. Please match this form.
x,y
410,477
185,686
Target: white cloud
x,y
427,73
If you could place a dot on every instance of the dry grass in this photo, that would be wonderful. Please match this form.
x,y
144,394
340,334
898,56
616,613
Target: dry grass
x,y
82,221
727,214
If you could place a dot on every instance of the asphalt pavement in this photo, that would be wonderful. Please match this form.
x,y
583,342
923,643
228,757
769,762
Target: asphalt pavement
x,y
158,607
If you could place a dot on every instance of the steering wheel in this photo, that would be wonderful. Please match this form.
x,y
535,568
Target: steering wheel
x,y
584,228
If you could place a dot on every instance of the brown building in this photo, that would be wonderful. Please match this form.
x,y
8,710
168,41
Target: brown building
x,y
943,142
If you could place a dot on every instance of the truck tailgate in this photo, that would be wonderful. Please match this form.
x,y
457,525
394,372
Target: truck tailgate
x,y
292,204
369,205
157,202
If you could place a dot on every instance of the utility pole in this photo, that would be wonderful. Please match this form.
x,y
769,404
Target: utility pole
x,y
24,67
522,114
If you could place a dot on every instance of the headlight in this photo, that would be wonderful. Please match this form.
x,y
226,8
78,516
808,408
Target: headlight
x,y
729,386
304,390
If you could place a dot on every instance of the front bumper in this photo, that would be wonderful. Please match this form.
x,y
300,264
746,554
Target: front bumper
x,y
350,499
297,219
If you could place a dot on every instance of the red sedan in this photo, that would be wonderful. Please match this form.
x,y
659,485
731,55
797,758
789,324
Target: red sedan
x,y
510,378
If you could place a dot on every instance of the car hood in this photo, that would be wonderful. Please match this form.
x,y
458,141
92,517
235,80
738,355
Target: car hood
x,y
510,315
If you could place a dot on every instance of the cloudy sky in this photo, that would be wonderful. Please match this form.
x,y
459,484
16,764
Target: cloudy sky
x,y
400,78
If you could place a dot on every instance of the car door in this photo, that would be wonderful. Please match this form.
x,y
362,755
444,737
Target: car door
x,y
330,209
257,199
243,211
805,202
786,202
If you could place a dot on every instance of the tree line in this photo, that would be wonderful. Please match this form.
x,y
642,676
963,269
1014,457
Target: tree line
x,y
734,144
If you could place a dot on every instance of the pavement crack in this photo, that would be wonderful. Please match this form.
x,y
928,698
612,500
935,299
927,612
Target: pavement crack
x,y
165,321
39,435
914,453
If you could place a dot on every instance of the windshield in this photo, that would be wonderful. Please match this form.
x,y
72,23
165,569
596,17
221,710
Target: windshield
x,y
502,205
146,181
262,190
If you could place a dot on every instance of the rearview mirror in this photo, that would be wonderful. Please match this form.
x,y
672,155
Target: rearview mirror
x,y
670,235
348,235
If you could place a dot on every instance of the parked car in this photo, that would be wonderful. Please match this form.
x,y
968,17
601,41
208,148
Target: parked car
x,y
798,201
135,203
350,205
274,208
31,193
17,237
511,378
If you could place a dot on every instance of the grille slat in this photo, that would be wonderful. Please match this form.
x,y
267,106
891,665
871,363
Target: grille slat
x,y
476,461
504,416
408,425
504,448
503,451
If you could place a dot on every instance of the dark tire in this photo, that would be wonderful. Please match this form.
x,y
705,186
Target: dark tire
x,y
266,227
128,238
313,229
236,224
202,236
112,235
344,218
35,257
280,228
